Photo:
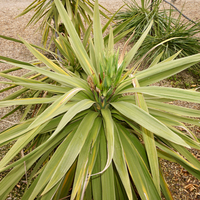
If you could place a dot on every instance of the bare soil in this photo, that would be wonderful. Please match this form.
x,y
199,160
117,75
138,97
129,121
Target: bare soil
x,y
182,185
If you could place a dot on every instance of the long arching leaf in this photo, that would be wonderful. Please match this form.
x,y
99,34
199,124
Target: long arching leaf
x,y
72,150
75,40
147,121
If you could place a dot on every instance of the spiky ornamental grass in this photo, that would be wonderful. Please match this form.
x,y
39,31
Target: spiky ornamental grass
x,y
168,33
102,136
45,11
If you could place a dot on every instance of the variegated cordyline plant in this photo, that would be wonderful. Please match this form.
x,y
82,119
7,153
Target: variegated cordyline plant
x,y
103,135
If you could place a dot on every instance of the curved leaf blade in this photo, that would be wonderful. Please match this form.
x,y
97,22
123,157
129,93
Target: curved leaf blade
x,y
138,170
60,102
120,164
168,92
75,40
77,108
109,132
83,161
144,119
72,150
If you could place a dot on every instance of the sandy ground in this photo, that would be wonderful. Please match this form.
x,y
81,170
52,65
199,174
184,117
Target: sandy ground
x,y
9,26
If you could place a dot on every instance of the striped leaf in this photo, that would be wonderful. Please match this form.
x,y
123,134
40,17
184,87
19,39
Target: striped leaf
x,y
50,111
138,170
148,138
82,165
72,150
120,164
109,132
75,40
148,122
167,92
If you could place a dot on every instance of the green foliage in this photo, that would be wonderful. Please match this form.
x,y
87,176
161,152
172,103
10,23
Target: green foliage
x,y
98,136
45,11
169,34
142,14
